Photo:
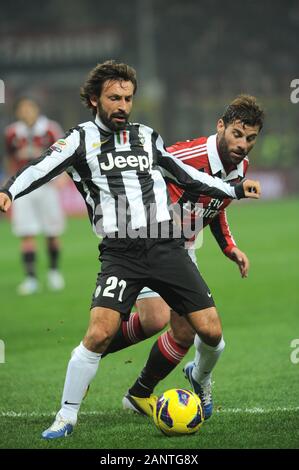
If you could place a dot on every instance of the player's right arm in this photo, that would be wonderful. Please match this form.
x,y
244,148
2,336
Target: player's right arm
x,y
51,163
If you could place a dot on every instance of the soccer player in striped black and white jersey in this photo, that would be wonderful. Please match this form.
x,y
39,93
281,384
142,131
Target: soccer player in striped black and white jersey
x,y
225,155
119,168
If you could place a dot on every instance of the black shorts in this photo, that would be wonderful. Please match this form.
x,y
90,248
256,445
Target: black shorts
x,y
161,264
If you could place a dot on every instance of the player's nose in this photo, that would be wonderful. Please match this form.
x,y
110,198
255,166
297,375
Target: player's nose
x,y
122,105
242,147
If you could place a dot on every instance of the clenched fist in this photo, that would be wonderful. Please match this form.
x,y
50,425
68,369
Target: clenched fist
x,y
252,189
5,202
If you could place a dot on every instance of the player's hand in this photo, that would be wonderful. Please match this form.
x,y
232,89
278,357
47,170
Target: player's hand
x,y
252,189
5,202
241,259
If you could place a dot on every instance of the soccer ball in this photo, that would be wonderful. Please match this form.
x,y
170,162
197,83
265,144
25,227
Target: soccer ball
x,y
178,412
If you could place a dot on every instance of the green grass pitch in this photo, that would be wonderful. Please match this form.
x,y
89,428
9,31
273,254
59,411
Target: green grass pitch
x,y
256,386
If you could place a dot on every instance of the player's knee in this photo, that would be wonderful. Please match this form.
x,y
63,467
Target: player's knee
x,y
153,317
183,336
98,339
209,328
216,332
158,324
212,337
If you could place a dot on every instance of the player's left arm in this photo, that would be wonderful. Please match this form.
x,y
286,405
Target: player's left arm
x,y
220,229
241,259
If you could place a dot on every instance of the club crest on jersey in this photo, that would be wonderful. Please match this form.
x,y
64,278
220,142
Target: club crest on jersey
x,y
113,163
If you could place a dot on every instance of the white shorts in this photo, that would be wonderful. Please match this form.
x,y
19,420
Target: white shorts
x,y
39,212
146,292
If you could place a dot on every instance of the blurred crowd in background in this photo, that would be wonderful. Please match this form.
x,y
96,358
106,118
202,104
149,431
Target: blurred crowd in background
x,y
192,58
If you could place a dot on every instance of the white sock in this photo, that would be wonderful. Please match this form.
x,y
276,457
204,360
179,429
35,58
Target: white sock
x,y
82,368
205,359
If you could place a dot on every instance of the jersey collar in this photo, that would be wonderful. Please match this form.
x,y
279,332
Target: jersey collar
x,y
101,125
216,164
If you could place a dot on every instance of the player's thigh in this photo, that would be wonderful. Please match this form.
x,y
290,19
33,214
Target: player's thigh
x,y
154,313
124,272
121,277
115,291
177,279
181,330
50,211
25,220
207,325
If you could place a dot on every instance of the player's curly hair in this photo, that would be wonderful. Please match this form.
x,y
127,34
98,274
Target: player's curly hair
x,y
244,108
108,70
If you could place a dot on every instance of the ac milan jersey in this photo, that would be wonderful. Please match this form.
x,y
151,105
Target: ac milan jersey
x,y
202,154
24,143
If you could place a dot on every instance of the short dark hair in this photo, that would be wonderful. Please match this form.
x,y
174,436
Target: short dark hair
x,y
108,70
244,108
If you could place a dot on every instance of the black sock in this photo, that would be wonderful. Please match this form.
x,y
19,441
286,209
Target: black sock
x,y
118,342
156,369
53,253
162,360
29,262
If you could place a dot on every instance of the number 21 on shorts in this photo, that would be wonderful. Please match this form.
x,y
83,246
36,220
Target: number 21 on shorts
x,y
112,283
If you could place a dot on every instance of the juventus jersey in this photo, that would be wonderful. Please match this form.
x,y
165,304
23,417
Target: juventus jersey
x,y
116,172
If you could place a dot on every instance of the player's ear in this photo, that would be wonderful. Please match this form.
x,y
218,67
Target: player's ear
x,y
93,101
220,125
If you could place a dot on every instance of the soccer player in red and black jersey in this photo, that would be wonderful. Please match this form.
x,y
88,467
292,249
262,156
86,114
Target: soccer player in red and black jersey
x,y
224,155
39,212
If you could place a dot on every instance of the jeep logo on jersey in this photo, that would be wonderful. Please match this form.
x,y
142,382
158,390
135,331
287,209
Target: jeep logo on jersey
x,y
113,163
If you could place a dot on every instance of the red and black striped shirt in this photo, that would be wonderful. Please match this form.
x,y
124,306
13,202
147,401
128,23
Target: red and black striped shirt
x,y
202,154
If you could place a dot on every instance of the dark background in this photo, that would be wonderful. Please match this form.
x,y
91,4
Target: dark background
x,y
192,58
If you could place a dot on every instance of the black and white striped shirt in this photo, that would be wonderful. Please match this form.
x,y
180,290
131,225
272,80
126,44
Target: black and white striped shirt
x,y
117,169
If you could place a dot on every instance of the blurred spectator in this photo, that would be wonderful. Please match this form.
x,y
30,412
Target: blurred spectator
x,y
39,212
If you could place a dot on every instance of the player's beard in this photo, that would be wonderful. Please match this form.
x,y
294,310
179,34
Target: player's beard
x,y
107,120
224,152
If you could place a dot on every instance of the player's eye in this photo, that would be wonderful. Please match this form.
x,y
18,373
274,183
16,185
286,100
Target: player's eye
x,y
237,134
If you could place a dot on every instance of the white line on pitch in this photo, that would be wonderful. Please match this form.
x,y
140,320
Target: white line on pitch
x,y
34,414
